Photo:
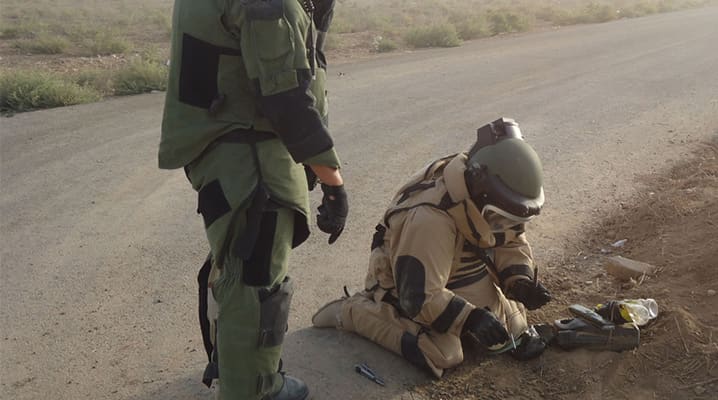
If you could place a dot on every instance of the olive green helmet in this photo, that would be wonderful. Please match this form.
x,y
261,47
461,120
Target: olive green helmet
x,y
504,175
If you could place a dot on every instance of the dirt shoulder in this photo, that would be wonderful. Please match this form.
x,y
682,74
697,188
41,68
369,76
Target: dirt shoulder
x,y
672,225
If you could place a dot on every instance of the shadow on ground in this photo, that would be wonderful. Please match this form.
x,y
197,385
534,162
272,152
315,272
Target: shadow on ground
x,y
330,370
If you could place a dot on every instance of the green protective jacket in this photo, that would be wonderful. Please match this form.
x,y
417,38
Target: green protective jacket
x,y
227,58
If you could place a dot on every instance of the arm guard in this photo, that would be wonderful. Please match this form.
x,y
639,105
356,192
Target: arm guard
x,y
296,121
274,40
512,257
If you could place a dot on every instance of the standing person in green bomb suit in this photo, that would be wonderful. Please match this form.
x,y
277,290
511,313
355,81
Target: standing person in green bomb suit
x,y
246,117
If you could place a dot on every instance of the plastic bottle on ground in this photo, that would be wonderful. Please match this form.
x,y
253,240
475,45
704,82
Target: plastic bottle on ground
x,y
641,311
638,311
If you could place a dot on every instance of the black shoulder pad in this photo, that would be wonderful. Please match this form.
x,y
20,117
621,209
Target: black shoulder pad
x,y
264,9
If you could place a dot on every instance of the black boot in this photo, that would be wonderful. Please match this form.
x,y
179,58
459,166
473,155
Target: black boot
x,y
292,389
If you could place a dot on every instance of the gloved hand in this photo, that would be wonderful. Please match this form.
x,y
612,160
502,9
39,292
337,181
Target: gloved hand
x,y
484,325
333,211
532,295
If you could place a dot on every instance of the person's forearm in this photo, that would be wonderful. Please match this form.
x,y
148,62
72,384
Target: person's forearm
x,y
328,175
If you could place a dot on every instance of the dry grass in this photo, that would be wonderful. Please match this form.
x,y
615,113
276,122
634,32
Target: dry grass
x,y
48,33
32,90
87,26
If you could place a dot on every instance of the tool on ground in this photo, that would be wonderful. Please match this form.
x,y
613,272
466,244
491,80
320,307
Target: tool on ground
x,y
589,330
364,370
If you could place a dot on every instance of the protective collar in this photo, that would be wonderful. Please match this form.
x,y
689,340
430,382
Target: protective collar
x,y
466,215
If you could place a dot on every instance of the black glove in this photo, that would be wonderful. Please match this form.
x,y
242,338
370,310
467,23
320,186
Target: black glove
x,y
487,329
333,211
532,295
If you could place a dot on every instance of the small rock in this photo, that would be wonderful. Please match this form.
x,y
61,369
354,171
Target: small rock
x,y
619,243
625,268
589,282
699,390
711,292
629,284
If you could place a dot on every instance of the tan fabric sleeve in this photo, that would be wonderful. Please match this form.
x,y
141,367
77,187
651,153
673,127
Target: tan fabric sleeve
x,y
514,259
421,259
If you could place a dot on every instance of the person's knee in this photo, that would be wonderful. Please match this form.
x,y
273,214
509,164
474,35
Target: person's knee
x,y
274,313
442,350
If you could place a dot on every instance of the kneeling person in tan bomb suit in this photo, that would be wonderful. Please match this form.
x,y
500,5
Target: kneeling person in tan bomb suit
x,y
450,258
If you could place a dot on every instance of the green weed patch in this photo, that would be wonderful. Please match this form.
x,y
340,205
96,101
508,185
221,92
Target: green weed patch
x,y
32,90
383,44
506,21
444,35
43,45
140,76
106,43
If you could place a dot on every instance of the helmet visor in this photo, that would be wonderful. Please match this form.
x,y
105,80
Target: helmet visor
x,y
508,202
500,220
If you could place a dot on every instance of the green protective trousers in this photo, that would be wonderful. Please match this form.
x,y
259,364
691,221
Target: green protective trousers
x,y
251,318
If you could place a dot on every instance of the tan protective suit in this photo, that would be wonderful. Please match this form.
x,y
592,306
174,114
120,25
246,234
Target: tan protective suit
x,y
428,271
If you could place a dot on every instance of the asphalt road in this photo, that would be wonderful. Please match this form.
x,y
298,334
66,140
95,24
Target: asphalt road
x,y
100,248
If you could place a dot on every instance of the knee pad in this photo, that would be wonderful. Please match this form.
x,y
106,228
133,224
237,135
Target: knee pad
x,y
274,313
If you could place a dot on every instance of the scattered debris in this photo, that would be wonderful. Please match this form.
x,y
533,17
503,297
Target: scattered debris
x,y
625,269
629,284
620,243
